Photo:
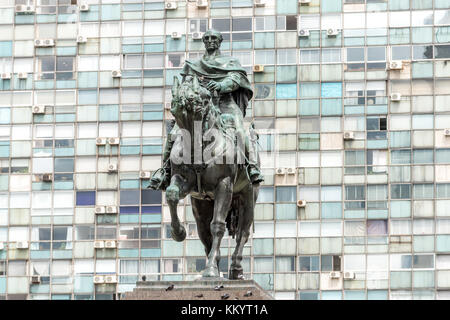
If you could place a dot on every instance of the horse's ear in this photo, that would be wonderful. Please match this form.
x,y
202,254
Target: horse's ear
x,y
176,85
196,85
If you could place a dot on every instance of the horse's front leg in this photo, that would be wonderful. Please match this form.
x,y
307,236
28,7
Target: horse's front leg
x,y
222,202
177,190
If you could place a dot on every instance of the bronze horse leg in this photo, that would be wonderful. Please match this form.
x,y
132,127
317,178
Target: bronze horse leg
x,y
203,214
245,220
175,192
222,201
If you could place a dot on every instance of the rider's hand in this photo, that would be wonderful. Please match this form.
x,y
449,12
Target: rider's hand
x,y
213,86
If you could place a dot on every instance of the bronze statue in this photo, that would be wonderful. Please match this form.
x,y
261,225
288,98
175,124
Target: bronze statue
x,y
209,155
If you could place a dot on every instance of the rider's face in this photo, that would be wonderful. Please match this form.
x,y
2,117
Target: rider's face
x,y
211,42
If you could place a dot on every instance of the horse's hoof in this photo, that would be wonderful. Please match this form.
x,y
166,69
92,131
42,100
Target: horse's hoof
x,y
236,274
211,272
178,235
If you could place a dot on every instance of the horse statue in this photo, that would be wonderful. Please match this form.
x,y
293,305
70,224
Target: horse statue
x,y
221,193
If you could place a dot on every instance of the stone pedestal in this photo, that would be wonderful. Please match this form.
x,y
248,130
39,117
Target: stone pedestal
x,y
200,289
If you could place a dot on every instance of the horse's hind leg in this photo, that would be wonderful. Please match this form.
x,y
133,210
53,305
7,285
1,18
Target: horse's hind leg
x,y
203,214
243,230
174,193
222,202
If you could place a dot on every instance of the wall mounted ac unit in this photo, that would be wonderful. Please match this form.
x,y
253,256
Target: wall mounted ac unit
x,y
84,7
116,73
111,279
22,75
99,279
38,109
100,141
111,209
348,275
35,279
22,245
447,132
144,174
99,244
168,105
176,35
112,167
303,33
396,65
258,68
113,141
280,171
99,209
110,244
202,4
301,203
290,170
349,135
197,35
396,96
332,32
6,75
260,3
81,39
171,5
335,275
47,177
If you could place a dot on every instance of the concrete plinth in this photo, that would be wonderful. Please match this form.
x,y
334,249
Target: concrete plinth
x,y
200,289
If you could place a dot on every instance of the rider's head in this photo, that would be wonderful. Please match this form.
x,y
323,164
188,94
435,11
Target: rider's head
x,y
212,39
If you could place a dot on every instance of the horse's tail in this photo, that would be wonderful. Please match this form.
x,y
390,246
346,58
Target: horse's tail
x,y
232,219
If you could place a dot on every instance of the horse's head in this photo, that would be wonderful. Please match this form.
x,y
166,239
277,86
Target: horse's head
x,y
189,98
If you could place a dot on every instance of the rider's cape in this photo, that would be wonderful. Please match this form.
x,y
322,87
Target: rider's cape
x,y
219,69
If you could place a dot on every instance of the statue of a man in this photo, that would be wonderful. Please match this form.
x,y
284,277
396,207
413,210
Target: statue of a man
x,y
224,76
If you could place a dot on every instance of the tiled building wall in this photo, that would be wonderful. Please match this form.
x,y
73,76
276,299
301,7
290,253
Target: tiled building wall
x,y
364,146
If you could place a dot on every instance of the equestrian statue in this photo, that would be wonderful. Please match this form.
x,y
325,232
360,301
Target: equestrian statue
x,y
210,156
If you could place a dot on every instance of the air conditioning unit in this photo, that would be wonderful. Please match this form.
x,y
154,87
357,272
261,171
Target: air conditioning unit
x,y
396,96
2,246
348,275
100,209
116,73
81,39
112,167
290,170
335,275
100,141
168,105
111,209
171,5
303,33
332,32
35,279
202,4
260,3
84,7
176,35
197,35
38,109
110,244
6,75
113,141
111,279
349,135
280,171
396,65
24,9
22,245
44,43
304,2
301,203
446,132
22,75
99,244
144,174
258,68
47,177
99,279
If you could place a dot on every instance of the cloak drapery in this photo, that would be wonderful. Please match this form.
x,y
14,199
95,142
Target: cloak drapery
x,y
218,69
